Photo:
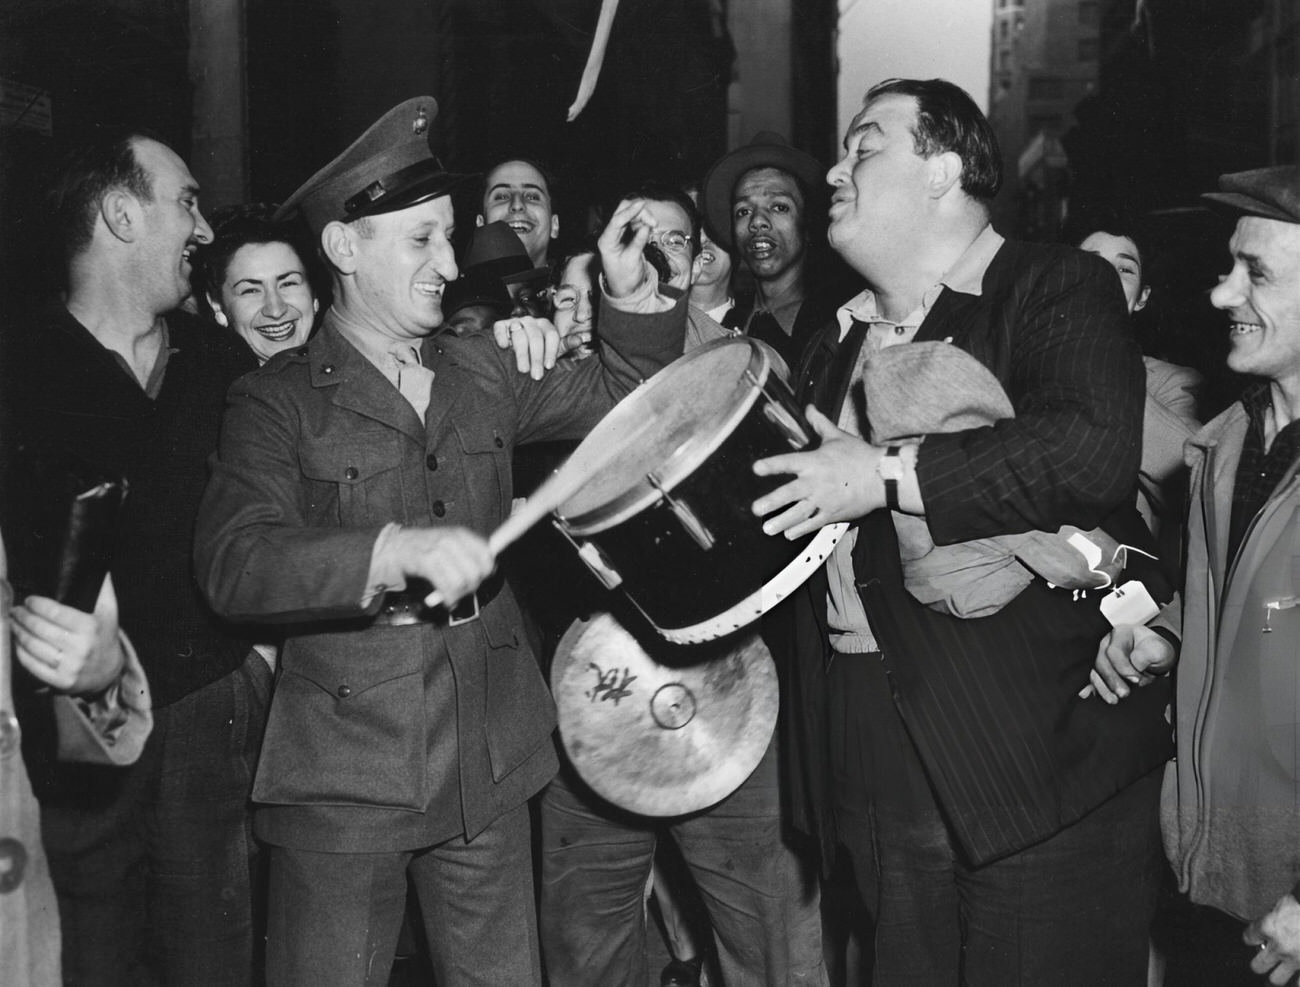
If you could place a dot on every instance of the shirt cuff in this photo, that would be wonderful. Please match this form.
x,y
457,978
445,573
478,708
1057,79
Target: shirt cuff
x,y
110,728
385,574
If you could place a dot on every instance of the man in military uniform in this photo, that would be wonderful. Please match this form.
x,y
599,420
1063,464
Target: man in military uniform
x,y
352,475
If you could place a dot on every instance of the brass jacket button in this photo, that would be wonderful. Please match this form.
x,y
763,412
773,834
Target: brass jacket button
x,y
344,691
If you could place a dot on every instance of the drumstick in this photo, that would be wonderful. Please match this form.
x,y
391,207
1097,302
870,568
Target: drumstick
x,y
554,491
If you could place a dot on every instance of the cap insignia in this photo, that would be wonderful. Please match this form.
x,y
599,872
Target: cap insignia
x,y
420,125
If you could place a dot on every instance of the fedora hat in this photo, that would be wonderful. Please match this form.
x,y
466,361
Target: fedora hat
x,y
389,167
767,150
494,258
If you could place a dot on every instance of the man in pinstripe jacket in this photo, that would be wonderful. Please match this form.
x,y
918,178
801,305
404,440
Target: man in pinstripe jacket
x,y
1002,830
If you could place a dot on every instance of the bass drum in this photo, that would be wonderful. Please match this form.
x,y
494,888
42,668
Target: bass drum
x,y
664,507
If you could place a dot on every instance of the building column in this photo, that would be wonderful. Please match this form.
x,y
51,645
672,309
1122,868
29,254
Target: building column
x,y
218,55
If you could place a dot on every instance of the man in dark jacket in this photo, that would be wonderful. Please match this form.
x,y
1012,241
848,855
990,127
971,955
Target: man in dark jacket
x,y
117,380
354,475
1003,830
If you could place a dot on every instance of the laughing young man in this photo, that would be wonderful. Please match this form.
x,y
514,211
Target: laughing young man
x,y
518,192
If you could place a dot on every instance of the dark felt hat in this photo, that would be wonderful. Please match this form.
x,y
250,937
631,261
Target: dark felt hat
x,y
1273,193
766,150
389,167
494,258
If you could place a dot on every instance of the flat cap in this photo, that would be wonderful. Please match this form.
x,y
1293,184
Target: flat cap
x,y
1273,193
387,168
768,149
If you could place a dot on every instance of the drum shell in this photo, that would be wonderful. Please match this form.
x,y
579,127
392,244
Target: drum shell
x,y
665,571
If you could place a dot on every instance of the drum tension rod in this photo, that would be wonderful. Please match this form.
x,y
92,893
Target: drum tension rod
x,y
693,525
591,554
780,416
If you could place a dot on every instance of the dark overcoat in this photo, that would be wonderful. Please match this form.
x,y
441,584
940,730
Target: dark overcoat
x,y
991,703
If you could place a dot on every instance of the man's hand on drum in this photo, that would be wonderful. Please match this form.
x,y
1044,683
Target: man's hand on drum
x,y
454,559
622,248
536,342
837,481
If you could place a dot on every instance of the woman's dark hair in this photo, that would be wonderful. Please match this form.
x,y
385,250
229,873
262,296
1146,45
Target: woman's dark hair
x,y
234,227
1115,220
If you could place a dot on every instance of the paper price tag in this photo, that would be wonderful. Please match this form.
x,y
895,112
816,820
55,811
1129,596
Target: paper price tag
x,y
1129,603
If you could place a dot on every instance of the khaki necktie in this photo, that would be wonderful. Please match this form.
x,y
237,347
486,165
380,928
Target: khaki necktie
x,y
414,379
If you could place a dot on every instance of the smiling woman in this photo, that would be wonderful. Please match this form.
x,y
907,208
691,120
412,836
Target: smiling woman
x,y
256,281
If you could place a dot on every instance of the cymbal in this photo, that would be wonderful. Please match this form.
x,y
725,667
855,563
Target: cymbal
x,y
668,734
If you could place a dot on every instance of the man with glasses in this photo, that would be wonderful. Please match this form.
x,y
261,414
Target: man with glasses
x,y
761,899
674,249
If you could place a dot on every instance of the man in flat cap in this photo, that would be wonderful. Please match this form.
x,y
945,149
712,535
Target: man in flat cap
x,y
765,201
353,476
1232,798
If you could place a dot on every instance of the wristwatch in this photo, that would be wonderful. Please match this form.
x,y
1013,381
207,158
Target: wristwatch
x,y
890,468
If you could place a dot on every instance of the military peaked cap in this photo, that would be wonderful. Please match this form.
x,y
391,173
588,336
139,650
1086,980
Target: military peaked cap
x,y
389,167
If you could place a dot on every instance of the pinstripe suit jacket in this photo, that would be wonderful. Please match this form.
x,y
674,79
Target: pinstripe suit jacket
x,y
1012,753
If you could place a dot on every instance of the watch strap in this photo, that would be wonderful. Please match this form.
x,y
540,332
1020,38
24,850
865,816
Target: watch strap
x,y
891,478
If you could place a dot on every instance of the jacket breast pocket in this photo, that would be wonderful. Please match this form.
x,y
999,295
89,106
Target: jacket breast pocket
x,y
348,726
486,459
360,476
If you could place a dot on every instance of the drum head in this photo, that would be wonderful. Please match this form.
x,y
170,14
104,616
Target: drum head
x,y
656,738
678,410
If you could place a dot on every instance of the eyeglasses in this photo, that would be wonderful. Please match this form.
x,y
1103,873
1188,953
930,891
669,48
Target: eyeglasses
x,y
566,297
672,241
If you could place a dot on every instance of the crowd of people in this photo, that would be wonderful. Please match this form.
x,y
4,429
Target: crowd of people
x,y
1044,684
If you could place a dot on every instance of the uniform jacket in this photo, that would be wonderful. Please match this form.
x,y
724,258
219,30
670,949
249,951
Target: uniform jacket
x,y
1231,810
380,737
990,703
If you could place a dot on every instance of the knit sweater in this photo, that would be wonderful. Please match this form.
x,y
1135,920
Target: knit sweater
x,y
68,397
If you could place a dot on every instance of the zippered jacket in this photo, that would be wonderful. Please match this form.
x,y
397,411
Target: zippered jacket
x,y
1231,808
